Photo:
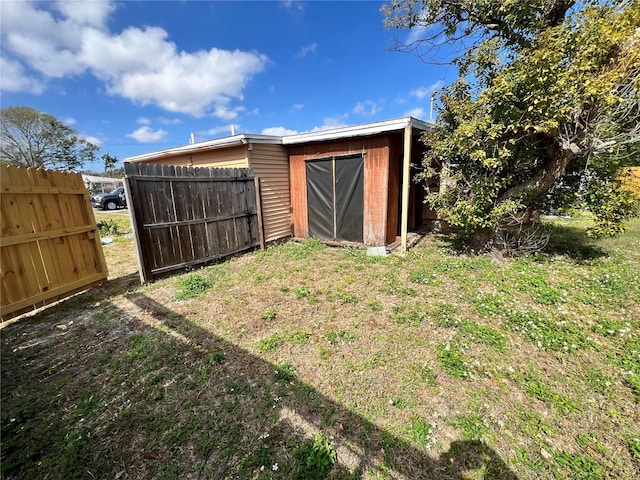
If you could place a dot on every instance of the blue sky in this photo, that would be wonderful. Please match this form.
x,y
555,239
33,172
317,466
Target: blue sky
x,y
136,77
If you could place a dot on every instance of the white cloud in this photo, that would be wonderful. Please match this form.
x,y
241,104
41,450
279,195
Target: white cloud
x,y
147,135
422,92
415,113
278,131
69,121
304,51
169,121
87,12
221,129
90,138
15,79
367,108
143,121
292,5
298,106
332,122
139,64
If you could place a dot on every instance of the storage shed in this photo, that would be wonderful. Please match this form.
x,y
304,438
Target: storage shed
x,y
354,184
346,185
263,153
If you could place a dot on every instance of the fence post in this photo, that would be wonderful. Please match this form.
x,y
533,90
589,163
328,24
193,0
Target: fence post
x,y
259,208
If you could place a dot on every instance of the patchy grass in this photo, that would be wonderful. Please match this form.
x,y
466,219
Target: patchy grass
x,y
304,361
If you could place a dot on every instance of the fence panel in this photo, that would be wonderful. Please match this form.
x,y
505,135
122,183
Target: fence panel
x,y
186,216
49,245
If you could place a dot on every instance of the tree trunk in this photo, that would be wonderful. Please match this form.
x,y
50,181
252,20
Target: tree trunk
x,y
542,181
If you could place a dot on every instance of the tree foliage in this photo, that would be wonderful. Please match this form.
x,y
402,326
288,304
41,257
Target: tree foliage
x,y
29,138
544,114
110,162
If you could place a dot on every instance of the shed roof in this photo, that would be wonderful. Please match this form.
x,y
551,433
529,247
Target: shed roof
x,y
315,136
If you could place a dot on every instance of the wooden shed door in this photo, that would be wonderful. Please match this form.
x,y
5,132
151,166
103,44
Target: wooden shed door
x,y
335,198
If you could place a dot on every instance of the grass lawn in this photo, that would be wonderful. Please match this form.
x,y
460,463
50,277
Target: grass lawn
x,y
306,362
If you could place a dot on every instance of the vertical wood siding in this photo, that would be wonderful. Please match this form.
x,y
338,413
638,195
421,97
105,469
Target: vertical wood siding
x,y
376,175
185,216
49,245
271,163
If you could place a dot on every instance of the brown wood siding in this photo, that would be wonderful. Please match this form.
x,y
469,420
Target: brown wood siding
x,y
232,157
376,174
271,164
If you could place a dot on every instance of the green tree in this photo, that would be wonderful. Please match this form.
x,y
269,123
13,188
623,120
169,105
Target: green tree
x,y
29,138
544,114
110,162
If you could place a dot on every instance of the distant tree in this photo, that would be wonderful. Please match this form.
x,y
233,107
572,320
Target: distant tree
x,y
29,138
109,162
545,113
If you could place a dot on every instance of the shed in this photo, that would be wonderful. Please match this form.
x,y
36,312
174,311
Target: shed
x,y
347,185
265,154
354,184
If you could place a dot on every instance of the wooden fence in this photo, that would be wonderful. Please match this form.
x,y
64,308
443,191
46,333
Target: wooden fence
x,y
49,245
185,216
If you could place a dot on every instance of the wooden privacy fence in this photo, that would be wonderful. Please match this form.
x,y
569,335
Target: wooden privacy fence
x,y
49,246
184,216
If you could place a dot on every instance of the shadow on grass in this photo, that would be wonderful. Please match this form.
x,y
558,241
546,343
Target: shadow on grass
x,y
572,242
564,240
139,391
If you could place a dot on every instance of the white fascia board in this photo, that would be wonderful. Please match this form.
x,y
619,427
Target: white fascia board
x,y
356,131
223,142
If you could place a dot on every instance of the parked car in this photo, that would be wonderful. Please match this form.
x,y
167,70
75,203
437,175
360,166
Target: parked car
x,y
109,201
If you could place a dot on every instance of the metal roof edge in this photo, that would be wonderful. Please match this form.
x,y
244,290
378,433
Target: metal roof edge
x,y
361,130
356,130
223,142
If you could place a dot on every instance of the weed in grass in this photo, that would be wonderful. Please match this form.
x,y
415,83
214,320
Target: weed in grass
x,y
473,426
270,343
489,304
302,292
139,347
428,376
532,423
108,227
412,316
192,285
314,459
284,371
87,402
216,357
536,285
375,306
547,333
535,386
444,314
633,382
269,315
581,466
343,336
487,335
423,277
452,361
597,380
611,328
348,299
393,286
422,432
634,448
297,337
